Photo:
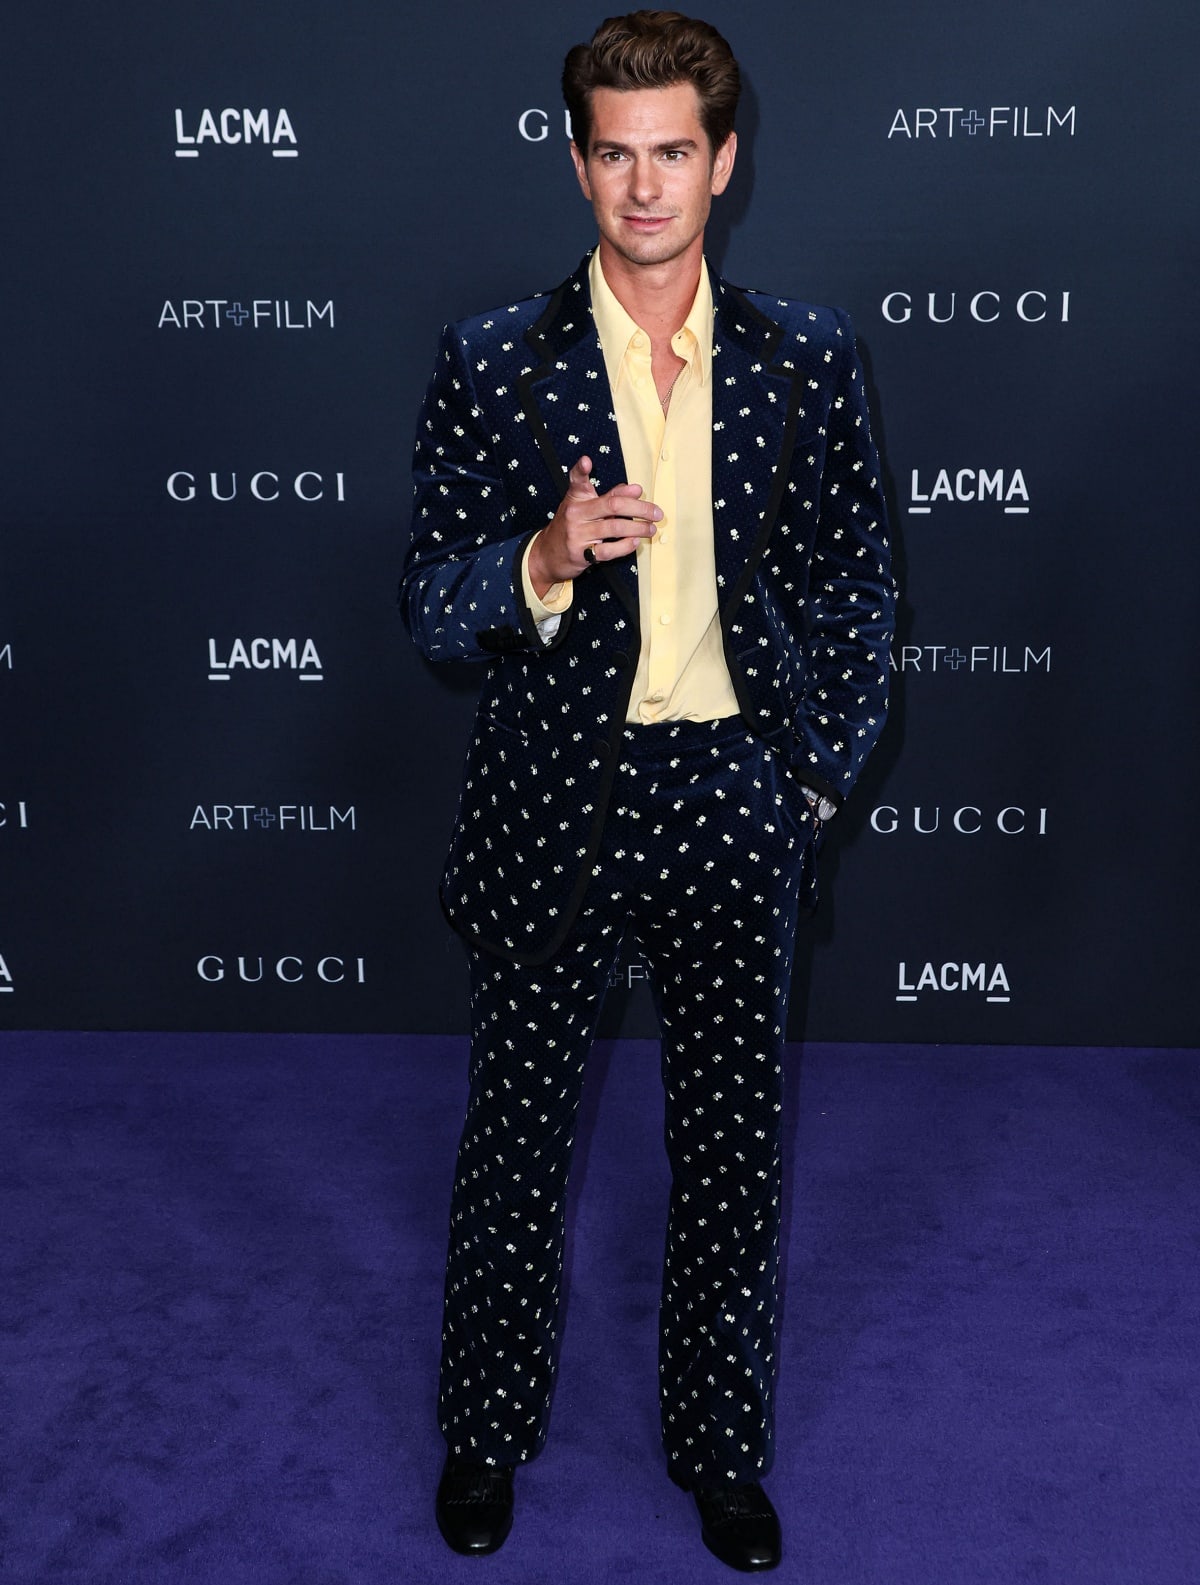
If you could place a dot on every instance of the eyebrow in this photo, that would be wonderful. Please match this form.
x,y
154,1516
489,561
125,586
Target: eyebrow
x,y
657,148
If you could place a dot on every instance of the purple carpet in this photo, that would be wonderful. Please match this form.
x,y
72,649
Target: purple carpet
x,y
220,1293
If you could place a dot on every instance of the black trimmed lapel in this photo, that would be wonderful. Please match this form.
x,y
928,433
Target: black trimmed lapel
x,y
569,408
756,411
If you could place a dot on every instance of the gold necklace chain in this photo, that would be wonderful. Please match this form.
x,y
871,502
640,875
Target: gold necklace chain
x,y
666,400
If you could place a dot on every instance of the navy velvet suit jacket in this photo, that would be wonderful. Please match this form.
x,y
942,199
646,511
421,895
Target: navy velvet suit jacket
x,y
804,585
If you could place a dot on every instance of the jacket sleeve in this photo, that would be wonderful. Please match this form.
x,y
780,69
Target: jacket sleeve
x,y
461,593
852,596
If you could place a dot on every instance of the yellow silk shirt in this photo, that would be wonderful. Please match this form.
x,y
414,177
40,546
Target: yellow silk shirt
x,y
681,673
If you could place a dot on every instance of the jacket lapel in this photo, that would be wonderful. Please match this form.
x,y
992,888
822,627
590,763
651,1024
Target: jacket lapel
x,y
567,403
757,408
757,391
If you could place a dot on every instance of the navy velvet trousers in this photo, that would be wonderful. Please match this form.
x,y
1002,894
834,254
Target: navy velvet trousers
x,y
701,862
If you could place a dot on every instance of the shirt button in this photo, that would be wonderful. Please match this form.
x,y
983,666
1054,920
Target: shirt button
x,y
665,619
654,698
639,340
659,539
664,455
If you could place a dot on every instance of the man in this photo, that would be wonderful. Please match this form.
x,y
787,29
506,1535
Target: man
x,y
650,501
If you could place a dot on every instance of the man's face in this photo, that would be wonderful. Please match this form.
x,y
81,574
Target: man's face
x,y
649,174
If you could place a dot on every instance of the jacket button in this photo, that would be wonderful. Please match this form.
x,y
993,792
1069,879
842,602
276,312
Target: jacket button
x,y
600,747
620,659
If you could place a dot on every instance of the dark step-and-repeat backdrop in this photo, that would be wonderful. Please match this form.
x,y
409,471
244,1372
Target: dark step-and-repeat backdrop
x,y
234,232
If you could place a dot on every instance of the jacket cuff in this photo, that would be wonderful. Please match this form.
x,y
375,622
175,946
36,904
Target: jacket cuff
x,y
557,598
535,638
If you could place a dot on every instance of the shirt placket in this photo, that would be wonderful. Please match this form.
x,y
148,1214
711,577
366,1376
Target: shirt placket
x,y
663,670
653,565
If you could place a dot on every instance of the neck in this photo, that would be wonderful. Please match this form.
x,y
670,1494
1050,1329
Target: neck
x,y
657,297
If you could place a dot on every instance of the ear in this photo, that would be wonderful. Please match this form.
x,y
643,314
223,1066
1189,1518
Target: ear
x,y
581,170
723,163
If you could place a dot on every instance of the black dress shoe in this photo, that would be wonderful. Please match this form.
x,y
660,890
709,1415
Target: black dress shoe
x,y
739,1525
474,1505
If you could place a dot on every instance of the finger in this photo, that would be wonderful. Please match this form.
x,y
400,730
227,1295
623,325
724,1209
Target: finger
x,y
624,508
613,549
636,533
632,512
626,500
613,531
579,480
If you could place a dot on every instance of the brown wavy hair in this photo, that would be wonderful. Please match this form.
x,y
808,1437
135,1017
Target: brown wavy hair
x,y
654,49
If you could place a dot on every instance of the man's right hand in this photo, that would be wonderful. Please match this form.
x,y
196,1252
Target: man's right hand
x,y
613,524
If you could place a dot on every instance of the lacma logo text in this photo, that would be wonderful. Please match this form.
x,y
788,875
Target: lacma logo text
x,y
969,487
236,127
991,983
266,654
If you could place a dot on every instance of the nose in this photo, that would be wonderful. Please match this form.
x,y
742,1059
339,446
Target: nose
x,y
645,181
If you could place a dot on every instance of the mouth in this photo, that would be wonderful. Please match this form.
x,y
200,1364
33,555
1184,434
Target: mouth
x,y
647,224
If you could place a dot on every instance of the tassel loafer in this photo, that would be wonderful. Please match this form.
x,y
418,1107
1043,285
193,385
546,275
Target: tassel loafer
x,y
739,1525
474,1506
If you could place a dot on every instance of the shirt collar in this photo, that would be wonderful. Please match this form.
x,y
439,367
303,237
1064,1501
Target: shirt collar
x,y
616,329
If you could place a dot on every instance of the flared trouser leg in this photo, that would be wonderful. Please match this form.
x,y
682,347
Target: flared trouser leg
x,y
704,851
531,1030
719,946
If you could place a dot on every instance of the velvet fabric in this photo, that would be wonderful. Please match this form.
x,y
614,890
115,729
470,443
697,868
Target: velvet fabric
x,y
221,1283
701,864
804,587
